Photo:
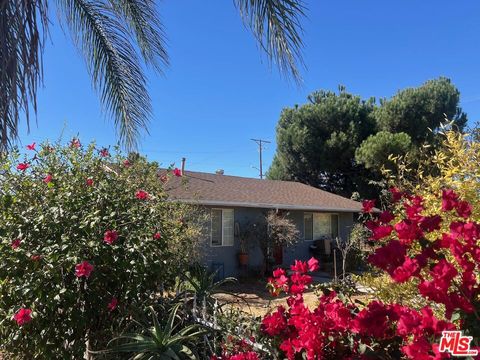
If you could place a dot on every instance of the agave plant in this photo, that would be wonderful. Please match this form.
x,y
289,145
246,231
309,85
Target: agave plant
x,y
170,340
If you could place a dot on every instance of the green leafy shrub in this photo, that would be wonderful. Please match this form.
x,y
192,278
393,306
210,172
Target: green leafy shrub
x,y
85,238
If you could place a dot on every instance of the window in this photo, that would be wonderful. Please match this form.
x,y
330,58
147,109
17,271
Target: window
x,y
308,228
222,227
318,225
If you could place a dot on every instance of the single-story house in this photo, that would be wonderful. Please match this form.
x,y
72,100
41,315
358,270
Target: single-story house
x,y
233,202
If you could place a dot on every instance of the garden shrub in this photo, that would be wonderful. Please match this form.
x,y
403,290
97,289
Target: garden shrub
x,y
453,165
85,237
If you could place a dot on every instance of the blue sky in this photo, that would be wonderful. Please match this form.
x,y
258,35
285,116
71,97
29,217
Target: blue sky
x,y
219,91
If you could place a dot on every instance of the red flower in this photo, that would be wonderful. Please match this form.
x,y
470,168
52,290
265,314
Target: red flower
x,y
299,266
385,217
23,316
177,172
430,223
408,269
104,152
408,231
31,146
278,272
47,178
381,232
89,182
313,264
16,243
368,205
110,236
275,323
75,143
449,199
83,269
35,257
396,194
389,257
112,305
142,195
127,163
464,209
157,236
23,166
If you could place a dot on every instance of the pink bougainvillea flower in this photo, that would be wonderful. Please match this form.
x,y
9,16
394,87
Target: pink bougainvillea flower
x,y
177,172
142,195
23,316
313,264
275,323
127,163
75,143
48,178
104,152
396,194
83,269
430,223
112,305
16,243
31,146
381,232
299,266
157,236
110,236
23,166
385,217
464,209
449,199
368,205
278,272
89,182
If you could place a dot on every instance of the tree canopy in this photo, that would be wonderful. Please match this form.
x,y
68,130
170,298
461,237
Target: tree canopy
x,y
339,141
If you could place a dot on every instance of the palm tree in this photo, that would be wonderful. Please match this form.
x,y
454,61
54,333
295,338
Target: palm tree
x,y
117,37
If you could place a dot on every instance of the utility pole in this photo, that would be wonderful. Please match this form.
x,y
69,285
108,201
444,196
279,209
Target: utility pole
x,y
260,143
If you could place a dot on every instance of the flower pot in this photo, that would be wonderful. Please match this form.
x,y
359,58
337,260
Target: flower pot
x,y
243,259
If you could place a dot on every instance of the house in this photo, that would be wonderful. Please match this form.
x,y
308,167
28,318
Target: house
x,y
233,202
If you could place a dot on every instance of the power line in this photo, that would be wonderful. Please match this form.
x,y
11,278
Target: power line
x,y
260,143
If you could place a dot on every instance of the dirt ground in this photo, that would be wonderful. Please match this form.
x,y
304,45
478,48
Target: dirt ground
x,y
253,297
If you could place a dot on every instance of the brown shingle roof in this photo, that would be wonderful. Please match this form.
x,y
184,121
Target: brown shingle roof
x,y
224,190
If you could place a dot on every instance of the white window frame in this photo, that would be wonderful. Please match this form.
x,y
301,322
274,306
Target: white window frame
x,y
223,244
313,223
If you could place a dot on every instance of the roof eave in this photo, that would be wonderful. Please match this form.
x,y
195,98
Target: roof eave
x,y
266,206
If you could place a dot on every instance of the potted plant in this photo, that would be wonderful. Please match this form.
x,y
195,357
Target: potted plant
x,y
244,234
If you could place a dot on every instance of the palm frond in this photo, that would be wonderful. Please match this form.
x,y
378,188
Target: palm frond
x,y
147,28
112,62
276,24
23,27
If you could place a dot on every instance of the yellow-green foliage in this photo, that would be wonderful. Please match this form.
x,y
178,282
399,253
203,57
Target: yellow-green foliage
x,y
382,287
455,165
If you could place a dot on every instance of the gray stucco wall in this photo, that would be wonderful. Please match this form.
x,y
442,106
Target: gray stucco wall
x,y
225,258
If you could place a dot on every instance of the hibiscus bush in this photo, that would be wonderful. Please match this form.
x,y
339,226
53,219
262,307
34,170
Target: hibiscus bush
x,y
86,238
445,270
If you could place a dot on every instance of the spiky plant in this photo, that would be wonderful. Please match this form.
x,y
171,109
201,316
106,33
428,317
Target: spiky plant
x,y
169,340
117,37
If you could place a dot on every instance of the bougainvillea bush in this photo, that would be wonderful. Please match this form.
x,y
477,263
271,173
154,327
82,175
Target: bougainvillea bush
x,y
85,238
446,271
